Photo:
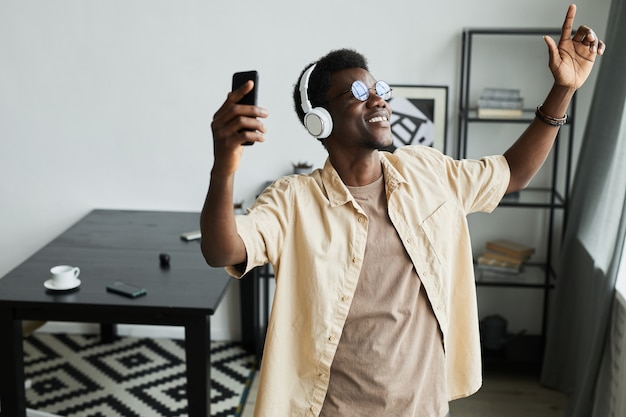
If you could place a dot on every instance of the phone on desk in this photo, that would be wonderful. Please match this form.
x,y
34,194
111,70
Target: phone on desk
x,y
239,79
126,289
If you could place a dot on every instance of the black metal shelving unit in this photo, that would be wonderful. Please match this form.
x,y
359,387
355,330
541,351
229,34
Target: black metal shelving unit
x,y
539,276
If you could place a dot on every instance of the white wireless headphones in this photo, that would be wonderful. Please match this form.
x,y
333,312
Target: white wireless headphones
x,y
317,120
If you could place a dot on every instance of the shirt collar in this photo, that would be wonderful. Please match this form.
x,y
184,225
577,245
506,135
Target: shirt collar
x,y
393,178
338,193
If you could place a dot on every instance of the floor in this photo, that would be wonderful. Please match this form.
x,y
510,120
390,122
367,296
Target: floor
x,y
510,393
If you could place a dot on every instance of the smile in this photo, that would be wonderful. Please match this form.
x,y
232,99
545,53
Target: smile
x,y
377,119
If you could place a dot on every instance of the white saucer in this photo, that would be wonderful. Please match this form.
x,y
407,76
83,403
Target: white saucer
x,y
49,284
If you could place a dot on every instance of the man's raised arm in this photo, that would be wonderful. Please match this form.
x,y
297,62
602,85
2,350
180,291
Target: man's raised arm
x,y
232,126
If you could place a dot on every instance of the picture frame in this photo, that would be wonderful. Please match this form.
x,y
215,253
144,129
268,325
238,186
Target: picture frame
x,y
420,115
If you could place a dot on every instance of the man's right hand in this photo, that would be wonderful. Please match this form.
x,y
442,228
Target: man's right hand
x,y
233,125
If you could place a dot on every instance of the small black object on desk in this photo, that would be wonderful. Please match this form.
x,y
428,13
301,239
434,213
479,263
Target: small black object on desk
x,y
164,260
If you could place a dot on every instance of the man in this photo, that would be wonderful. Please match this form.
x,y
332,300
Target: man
x,y
375,308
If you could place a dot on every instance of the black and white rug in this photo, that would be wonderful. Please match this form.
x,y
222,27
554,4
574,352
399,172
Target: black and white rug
x,y
77,376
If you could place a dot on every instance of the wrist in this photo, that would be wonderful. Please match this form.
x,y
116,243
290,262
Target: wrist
x,y
556,121
223,171
557,101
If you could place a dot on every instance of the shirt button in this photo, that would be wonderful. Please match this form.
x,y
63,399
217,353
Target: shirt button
x,y
361,219
345,298
314,410
332,338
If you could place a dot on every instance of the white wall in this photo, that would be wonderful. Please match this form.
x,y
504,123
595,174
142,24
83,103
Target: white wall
x,y
108,104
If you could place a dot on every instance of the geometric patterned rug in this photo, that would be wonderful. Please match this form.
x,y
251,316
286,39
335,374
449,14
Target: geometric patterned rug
x,y
77,376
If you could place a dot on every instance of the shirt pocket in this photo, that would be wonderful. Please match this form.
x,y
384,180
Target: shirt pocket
x,y
443,231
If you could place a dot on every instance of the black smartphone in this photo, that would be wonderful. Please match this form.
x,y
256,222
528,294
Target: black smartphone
x,y
239,79
126,289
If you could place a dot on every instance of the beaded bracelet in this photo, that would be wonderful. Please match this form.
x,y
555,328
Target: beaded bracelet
x,y
550,120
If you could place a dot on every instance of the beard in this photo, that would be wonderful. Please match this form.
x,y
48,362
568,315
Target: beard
x,y
378,143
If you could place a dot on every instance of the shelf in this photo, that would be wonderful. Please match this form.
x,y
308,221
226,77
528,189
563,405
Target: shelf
x,y
532,276
472,116
513,31
534,198
527,116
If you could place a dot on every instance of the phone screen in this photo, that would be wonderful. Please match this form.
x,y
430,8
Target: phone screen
x,y
239,79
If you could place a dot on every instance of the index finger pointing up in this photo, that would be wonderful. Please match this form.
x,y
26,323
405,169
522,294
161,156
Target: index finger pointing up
x,y
566,31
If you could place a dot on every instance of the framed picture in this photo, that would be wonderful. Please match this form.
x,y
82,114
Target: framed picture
x,y
420,114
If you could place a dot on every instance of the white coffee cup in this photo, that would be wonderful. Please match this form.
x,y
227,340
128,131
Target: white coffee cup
x,y
64,276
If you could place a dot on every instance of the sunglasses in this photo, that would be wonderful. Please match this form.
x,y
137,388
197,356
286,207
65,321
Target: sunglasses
x,y
361,92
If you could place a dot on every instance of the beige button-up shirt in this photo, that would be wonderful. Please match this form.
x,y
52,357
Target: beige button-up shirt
x,y
313,232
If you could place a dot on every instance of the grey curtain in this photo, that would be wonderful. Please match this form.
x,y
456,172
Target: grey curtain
x,y
581,302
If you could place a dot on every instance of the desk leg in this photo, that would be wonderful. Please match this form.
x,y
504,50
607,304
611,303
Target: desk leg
x,y
12,393
198,357
108,332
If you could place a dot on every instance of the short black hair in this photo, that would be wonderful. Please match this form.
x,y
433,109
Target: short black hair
x,y
319,81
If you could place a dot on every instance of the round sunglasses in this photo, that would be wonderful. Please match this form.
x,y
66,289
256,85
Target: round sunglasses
x,y
361,92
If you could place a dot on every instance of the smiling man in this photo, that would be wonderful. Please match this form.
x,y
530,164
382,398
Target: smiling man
x,y
375,307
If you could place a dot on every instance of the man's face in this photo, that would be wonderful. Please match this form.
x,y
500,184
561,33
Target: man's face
x,y
363,124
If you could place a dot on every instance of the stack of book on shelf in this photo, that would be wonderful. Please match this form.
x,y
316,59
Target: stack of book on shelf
x,y
503,103
504,257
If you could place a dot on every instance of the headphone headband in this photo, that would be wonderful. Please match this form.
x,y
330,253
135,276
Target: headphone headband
x,y
304,86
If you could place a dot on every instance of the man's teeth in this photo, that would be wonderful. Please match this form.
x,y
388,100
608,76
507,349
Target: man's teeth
x,y
377,119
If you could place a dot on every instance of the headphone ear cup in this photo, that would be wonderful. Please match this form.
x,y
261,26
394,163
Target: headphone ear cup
x,y
318,122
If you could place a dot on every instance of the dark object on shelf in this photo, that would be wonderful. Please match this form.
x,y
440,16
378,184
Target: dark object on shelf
x,y
493,332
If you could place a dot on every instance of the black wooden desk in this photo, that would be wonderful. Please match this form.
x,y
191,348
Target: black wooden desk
x,y
111,245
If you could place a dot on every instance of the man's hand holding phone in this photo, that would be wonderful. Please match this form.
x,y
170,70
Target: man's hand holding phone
x,y
236,122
